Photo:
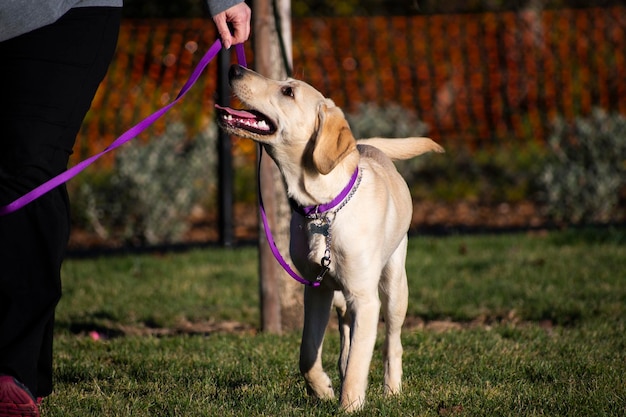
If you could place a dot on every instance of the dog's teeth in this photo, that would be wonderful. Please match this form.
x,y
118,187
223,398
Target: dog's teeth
x,y
252,123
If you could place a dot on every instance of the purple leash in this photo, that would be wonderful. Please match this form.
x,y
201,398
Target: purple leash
x,y
270,238
125,137
276,252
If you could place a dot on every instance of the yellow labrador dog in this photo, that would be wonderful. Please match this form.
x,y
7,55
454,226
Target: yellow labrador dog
x,y
349,227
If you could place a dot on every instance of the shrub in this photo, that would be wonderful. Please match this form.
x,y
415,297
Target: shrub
x,y
494,175
149,195
392,121
586,170
505,173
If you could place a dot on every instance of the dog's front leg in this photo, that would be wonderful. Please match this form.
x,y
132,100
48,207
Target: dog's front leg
x,y
345,324
317,302
364,310
394,296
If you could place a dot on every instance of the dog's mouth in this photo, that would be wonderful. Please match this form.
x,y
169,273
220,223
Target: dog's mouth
x,y
249,120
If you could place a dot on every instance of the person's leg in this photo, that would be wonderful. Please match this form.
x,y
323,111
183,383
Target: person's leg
x,y
48,78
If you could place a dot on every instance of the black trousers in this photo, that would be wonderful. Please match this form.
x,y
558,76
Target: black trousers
x,y
48,78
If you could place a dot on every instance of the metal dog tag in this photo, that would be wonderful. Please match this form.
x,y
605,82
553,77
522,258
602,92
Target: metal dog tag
x,y
319,227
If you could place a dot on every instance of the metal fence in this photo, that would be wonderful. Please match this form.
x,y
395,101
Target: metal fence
x,y
475,77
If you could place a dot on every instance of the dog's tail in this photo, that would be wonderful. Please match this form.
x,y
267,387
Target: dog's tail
x,y
403,148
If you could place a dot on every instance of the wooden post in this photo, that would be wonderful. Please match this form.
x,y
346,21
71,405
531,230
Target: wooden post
x,y
281,297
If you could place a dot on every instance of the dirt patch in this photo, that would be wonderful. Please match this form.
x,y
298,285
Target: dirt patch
x,y
483,321
467,214
206,328
184,327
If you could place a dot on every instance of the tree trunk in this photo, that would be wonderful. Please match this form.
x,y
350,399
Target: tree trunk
x,y
281,296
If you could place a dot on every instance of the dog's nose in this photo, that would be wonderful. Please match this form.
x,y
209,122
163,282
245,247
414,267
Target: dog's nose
x,y
236,71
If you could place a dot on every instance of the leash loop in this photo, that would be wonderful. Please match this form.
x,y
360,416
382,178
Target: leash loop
x,y
270,238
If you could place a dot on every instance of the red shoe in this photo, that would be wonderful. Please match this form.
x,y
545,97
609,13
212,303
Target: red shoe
x,y
15,399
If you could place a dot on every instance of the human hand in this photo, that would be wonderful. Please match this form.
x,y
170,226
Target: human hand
x,y
239,17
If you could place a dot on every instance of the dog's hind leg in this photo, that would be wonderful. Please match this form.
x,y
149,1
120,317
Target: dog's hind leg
x,y
317,303
394,298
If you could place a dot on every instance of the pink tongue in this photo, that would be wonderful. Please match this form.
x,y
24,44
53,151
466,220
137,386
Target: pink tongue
x,y
239,113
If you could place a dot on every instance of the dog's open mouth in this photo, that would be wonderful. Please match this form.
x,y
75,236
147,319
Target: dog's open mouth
x,y
249,120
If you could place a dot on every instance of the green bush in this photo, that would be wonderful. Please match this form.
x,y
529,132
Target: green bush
x,y
392,121
586,170
149,195
504,173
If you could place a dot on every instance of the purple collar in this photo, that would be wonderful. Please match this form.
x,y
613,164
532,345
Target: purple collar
x,y
341,200
310,211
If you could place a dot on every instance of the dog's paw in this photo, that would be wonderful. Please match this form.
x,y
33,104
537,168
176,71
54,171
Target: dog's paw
x,y
320,387
350,405
391,390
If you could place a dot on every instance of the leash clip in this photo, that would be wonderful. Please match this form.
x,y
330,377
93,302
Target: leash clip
x,y
321,275
325,262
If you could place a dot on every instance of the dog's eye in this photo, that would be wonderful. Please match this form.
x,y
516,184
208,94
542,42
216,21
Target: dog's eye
x,y
287,91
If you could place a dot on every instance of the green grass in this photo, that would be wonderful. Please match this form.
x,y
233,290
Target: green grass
x,y
533,325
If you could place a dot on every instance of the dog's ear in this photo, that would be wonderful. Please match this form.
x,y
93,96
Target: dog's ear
x,y
334,140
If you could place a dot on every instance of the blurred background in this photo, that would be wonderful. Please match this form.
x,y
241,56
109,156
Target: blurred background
x,y
527,97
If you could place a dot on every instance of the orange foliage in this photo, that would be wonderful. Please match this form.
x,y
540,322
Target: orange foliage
x,y
471,77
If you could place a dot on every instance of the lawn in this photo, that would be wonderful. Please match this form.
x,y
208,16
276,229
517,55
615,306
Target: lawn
x,y
509,325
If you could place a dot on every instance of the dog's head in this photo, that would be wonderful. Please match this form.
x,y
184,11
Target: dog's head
x,y
293,120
